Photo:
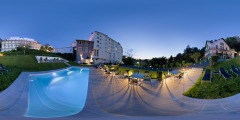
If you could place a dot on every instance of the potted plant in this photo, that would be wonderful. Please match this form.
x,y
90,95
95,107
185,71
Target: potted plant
x,y
40,59
46,59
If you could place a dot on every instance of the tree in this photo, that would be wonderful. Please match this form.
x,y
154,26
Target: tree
x,y
195,56
170,60
177,64
214,60
128,60
183,63
179,57
233,43
188,52
171,65
47,48
157,62
202,52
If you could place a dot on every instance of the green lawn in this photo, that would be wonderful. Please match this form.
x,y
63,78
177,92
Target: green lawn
x,y
19,64
219,87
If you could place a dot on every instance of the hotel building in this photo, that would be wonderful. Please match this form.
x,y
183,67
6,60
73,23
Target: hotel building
x,y
218,47
13,42
103,50
84,51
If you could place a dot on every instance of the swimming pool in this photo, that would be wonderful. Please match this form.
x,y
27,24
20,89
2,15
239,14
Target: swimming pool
x,y
57,94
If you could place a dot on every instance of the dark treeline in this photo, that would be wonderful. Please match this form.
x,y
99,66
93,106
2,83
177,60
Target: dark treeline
x,y
189,56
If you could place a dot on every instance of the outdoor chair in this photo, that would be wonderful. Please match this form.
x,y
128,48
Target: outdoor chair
x,y
234,70
180,76
126,74
146,72
107,70
118,72
207,76
4,68
136,71
147,77
224,73
166,76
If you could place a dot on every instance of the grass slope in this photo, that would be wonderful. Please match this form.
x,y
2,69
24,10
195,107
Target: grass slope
x,y
219,87
19,64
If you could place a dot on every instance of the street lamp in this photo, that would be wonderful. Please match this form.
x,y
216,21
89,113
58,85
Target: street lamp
x,y
24,50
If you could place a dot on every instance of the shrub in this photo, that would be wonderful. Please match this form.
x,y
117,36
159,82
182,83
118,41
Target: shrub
x,y
213,60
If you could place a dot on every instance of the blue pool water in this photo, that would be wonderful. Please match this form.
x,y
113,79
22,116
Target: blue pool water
x,y
57,94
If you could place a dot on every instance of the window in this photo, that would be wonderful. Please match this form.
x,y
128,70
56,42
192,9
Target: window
x,y
80,49
86,43
86,49
80,42
216,46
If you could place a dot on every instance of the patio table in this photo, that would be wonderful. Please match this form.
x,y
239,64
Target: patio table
x,y
138,76
174,73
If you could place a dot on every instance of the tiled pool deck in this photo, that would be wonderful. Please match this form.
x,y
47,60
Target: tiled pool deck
x,y
113,98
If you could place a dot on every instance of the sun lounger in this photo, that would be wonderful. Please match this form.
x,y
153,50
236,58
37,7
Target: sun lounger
x,y
224,73
207,76
234,70
4,68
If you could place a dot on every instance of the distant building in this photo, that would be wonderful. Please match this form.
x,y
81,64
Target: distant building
x,y
64,50
13,42
218,47
103,50
84,51
47,48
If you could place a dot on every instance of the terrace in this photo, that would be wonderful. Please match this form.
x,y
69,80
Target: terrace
x,y
111,97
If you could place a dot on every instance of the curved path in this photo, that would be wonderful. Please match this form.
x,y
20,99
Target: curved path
x,y
113,98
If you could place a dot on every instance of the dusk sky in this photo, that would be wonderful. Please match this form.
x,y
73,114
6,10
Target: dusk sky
x,y
153,28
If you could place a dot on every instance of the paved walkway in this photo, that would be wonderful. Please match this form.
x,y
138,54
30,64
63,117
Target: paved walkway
x,y
111,97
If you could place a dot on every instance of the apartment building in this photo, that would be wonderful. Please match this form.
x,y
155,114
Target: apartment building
x,y
218,47
13,42
106,50
103,50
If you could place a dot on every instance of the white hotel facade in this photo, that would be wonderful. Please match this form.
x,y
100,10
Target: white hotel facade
x,y
105,49
13,42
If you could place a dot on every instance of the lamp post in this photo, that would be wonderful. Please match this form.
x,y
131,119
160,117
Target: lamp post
x,y
24,50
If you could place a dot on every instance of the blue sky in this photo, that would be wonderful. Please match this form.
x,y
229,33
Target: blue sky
x,y
153,28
